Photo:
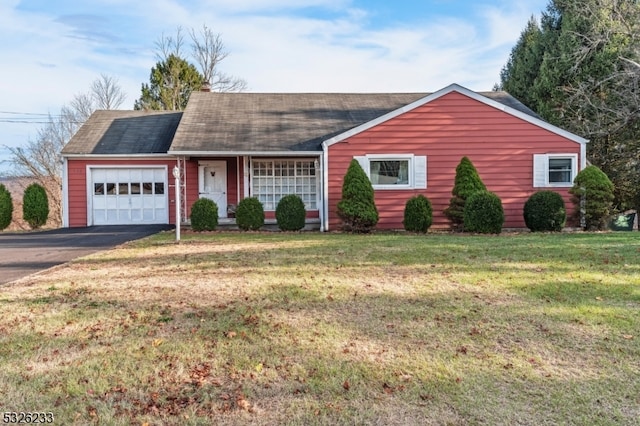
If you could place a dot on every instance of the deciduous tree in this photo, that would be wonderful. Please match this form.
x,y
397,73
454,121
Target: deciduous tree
x,y
40,159
174,77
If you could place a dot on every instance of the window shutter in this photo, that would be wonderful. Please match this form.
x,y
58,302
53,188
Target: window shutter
x,y
420,172
364,163
540,170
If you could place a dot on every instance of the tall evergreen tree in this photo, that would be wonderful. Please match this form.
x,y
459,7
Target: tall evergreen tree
x,y
588,82
170,85
519,74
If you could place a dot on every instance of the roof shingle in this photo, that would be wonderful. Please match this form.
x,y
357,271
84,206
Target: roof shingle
x,y
282,122
115,132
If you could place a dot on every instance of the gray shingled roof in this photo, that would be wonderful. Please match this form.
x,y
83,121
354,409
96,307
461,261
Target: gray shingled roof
x,y
263,122
125,132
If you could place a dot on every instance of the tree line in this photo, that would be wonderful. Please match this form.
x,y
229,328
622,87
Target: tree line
x,y
578,67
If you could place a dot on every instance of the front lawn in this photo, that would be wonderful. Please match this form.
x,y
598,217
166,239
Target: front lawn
x,y
276,328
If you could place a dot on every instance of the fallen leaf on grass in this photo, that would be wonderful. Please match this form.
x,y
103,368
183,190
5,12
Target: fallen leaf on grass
x,y
345,385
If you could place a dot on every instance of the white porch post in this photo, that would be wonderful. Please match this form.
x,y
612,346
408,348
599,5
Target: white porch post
x,y
176,175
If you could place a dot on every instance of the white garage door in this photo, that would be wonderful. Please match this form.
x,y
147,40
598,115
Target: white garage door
x,y
129,196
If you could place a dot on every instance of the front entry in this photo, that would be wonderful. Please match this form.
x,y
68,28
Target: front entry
x,y
212,181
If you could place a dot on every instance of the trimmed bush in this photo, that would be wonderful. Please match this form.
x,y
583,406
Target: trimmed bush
x,y
418,214
483,213
250,214
592,194
357,208
544,211
290,213
35,206
6,207
204,215
467,182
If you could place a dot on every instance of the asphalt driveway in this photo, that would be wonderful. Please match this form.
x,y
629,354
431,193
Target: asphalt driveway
x,y
23,254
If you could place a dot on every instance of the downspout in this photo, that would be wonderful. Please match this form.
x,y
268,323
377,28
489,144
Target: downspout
x,y
583,155
65,193
324,226
321,185
583,164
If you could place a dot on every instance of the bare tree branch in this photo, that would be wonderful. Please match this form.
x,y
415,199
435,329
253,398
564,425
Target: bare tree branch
x,y
209,51
40,160
168,45
107,93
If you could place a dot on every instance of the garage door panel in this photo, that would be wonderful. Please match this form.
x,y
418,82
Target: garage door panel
x,y
128,196
99,203
99,217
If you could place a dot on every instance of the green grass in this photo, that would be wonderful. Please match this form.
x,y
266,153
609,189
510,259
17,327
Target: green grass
x,y
307,328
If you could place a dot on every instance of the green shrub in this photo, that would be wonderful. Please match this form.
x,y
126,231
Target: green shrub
x,y
545,211
483,213
467,182
6,207
357,208
204,215
290,213
418,214
592,194
250,214
35,206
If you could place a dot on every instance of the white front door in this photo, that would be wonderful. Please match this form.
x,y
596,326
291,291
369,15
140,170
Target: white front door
x,y
213,184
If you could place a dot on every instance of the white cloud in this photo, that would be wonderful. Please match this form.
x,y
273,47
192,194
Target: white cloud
x,y
276,45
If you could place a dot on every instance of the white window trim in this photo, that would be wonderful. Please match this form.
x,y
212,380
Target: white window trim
x,y
411,158
249,188
542,160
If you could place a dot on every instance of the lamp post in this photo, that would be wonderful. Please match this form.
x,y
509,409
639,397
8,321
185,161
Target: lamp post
x,y
176,175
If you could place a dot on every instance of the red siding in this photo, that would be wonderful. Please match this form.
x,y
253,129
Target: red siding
x,y
77,189
500,146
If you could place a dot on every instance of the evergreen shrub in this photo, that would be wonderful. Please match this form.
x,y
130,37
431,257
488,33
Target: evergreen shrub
x,y
357,208
290,213
592,194
6,207
467,182
544,211
35,206
418,214
483,213
204,215
250,214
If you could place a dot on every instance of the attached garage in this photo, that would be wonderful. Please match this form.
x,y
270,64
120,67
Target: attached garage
x,y
117,171
128,196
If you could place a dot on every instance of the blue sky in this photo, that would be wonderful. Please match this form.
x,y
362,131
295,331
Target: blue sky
x,y
53,50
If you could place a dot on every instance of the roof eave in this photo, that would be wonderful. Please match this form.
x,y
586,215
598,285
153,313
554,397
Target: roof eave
x,y
118,156
237,153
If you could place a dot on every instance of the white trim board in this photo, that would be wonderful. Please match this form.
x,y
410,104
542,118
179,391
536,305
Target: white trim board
x,y
464,91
